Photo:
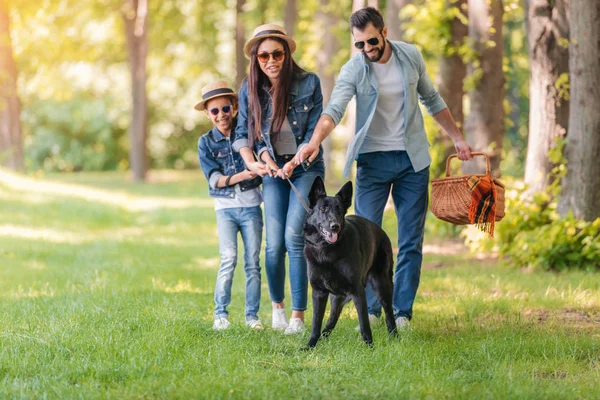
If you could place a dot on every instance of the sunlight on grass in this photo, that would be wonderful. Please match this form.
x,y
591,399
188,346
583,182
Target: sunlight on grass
x,y
200,263
45,234
30,293
120,199
180,287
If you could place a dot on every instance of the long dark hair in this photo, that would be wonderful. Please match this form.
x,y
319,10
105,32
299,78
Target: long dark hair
x,y
280,93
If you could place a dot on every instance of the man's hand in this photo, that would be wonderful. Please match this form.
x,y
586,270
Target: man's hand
x,y
257,168
309,151
463,149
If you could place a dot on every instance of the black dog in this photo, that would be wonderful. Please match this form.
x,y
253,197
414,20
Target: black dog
x,y
343,254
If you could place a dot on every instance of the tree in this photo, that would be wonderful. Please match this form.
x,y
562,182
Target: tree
x,y
290,17
135,15
452,73
485,123
547,36
11,145
240,38
392,18
581,185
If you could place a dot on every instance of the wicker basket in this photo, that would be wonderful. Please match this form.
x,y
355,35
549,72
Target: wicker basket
x,y
451,196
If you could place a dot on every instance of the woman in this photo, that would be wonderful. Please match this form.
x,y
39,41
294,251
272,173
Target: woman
x,y
279,105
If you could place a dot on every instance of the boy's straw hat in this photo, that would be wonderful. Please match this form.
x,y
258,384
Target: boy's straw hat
x,y
269,30
212,90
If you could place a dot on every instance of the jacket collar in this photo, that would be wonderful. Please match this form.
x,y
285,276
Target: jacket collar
x,y
218,136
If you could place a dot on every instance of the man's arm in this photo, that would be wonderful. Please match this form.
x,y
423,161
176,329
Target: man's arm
x,y
445,120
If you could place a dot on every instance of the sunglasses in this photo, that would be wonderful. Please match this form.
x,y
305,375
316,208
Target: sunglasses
x,y
360,45
264,57
225,109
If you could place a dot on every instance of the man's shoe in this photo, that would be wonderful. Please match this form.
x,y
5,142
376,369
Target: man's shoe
x,y
402,323
279,321
254,324
296,326
373,319
220,324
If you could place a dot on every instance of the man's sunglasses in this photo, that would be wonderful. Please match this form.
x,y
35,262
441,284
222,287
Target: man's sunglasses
x,y
225,109
360,45
264,56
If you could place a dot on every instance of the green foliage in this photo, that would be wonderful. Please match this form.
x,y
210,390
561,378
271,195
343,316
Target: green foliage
x,y
73,135
533,234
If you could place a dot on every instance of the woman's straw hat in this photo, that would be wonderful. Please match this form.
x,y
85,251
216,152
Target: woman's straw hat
x,y
212,90
265,31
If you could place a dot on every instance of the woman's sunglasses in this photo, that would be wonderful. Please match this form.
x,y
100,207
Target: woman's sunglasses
x,y
225,109
264,56
360,45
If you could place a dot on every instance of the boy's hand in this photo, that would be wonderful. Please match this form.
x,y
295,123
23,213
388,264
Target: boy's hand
x,y
246,175
257,168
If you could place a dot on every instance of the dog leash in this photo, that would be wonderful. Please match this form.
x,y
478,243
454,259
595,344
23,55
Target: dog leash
x,y
298,194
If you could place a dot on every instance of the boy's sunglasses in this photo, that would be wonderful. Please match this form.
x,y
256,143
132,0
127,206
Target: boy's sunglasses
x,y
264,56
225,109
360,45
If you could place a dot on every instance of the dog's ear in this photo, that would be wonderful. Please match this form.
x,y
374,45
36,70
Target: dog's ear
x,y
316,191
345,194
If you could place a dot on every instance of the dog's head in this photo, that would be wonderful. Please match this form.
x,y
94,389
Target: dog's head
x,y
326,215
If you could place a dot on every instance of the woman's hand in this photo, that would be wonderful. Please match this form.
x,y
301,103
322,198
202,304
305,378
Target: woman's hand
x,y
257,168
286,171
270,165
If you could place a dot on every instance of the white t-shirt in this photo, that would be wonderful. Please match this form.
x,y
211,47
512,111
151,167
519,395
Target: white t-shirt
x,y
386,132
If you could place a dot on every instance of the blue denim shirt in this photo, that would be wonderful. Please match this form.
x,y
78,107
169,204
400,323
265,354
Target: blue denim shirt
x,y
357,78
305,107
217,158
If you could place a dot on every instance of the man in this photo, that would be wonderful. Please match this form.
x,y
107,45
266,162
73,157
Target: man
x,y
390,144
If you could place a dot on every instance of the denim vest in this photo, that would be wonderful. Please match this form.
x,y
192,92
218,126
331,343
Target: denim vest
x,y
217,156
305,107
356,78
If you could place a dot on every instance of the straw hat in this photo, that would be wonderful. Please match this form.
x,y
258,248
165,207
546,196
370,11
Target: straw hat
x,y
265,31
212,90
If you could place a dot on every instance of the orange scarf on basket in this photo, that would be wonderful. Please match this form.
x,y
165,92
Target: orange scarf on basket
x,y
482,212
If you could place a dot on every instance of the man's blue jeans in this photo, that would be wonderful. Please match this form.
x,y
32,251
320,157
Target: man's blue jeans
x,y
230,221
377,174
284,218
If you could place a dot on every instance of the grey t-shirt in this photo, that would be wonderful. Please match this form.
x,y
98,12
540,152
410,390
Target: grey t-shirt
x,y
286,141
386,131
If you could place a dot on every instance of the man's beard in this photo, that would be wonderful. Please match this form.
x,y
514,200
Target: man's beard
x,y
377,56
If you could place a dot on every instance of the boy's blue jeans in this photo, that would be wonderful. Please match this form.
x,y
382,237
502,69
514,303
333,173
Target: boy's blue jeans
x,y
230,221
377,174
284,217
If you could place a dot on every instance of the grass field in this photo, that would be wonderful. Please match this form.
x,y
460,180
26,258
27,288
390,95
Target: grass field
x,y
106,292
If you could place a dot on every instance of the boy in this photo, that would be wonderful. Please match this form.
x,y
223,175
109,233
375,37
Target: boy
x,y
237,201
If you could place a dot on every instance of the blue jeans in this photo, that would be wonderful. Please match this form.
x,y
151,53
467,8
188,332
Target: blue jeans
x,y
285,217
230,221
376,175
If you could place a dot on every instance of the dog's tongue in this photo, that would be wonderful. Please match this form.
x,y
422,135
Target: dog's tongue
x,y
332,237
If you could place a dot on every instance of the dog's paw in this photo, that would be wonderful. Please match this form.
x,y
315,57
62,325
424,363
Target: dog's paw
x,y
326,333
307,347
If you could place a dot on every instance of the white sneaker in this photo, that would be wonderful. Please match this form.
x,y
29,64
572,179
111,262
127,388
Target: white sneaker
x,y
296,326
254,324
402,323
372,321
220,324
279,320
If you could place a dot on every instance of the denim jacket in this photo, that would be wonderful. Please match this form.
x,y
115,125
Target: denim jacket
x,y
357,78
217,158
305,107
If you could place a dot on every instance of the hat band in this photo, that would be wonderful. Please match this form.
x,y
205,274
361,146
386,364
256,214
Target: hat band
x,y
269,32
216,92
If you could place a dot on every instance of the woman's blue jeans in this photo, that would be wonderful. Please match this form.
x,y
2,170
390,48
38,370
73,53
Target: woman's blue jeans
x,y
249,222
284,218
378,173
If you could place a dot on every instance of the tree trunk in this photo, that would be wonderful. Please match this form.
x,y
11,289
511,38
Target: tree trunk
x,y
240,38
373,3
325,19
135,14
547,26
581,186
392,18
485,123
450,79
290,18
11,144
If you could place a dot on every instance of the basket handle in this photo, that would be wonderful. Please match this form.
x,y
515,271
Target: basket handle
x,y
475,153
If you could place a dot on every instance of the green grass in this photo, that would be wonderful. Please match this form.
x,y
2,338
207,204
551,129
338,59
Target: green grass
x,y
106,292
